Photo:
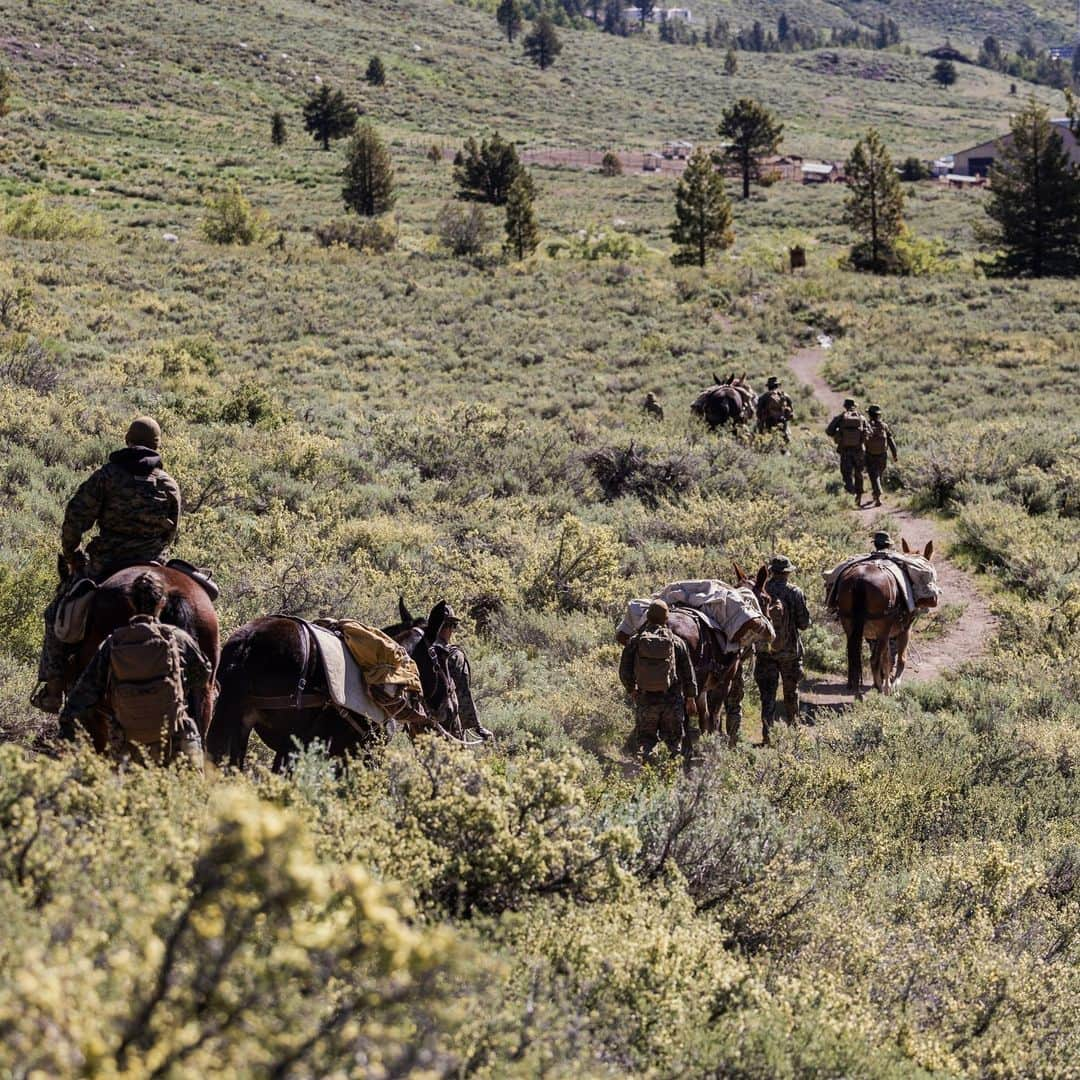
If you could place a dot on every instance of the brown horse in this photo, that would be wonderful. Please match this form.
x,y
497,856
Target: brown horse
x,y
729,400
186,605
273,682
871,607
715,670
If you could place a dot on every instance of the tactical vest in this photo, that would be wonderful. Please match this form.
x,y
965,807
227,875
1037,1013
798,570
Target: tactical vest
x,y
850,436
876,441
654,661
147,692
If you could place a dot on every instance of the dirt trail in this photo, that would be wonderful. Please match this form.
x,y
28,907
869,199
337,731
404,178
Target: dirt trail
x,y
968,636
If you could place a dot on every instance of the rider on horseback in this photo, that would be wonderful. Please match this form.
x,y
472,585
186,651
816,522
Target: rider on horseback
x,y
136,507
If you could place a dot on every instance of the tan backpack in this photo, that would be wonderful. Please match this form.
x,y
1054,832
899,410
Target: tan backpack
x,y
876,442
147,686
654,662
851,431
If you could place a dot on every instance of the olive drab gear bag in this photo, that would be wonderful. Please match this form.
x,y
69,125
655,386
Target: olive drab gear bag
x,y
876,442
654,661
851,431
147,686
780,617
773,406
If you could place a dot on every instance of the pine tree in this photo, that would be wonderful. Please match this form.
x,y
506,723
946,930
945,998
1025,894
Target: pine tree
x,y
487,170
751,132
874,208
277,128
327,115
376,72
731,63
542,44
7,83
1035,200
702,212
369,175
522,235
945,73
510,17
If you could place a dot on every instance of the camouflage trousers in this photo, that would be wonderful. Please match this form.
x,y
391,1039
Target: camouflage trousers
x,y
852,463
875,469
769,672
185,743
656,717
733,707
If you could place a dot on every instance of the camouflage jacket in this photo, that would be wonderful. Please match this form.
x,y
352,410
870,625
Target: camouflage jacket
x,y
457,664
92,686
685,679
135,505
774,405
798,616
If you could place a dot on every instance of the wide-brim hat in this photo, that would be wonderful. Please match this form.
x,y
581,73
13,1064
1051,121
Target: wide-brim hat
x,y
874,410
849,403
773,382
882,539
451,618
782,565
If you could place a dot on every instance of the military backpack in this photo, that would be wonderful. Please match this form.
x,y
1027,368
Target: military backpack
x,y
780,617
147,686
876,441
654,662
774,405
851,431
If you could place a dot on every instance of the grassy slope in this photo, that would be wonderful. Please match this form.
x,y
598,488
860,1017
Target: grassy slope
x,y
892,894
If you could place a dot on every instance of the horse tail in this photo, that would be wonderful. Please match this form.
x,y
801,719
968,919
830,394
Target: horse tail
x,y
179,612
225,739
855,635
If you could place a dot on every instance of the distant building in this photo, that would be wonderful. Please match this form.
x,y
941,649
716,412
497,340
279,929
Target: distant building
x,y
821,172
976,160
633,14
1062,52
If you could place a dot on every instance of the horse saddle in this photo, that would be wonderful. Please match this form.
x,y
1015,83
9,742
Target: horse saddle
x,y
73,611
199,574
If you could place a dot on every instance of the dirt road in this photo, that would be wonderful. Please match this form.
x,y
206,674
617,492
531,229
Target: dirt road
x,y
968,636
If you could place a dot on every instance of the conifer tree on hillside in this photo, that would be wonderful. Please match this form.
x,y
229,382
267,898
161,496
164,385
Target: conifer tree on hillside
x,y
945,73
751,132
369,175
7,83
510,17
542,44
702,212
522,235
376,72
277,128
1035,201
486,170
327,115
874,208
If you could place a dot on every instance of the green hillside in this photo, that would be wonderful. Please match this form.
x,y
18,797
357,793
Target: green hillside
x,y
890,893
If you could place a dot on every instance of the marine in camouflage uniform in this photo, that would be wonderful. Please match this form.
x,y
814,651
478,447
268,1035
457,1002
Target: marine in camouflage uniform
x,y
92,688
660,715
136,507
652,406
783,664
852,458
879,444
457,664
767,404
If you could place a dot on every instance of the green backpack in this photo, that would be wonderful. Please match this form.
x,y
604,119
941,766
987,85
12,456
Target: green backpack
x,y
147,693
654,664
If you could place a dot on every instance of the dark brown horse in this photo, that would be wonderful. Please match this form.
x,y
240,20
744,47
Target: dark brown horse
x,y
273,682
871,606
186,605
728,401
715,670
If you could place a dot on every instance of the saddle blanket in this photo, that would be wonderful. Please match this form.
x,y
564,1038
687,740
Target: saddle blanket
x,y
343,678
915,576
725,609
